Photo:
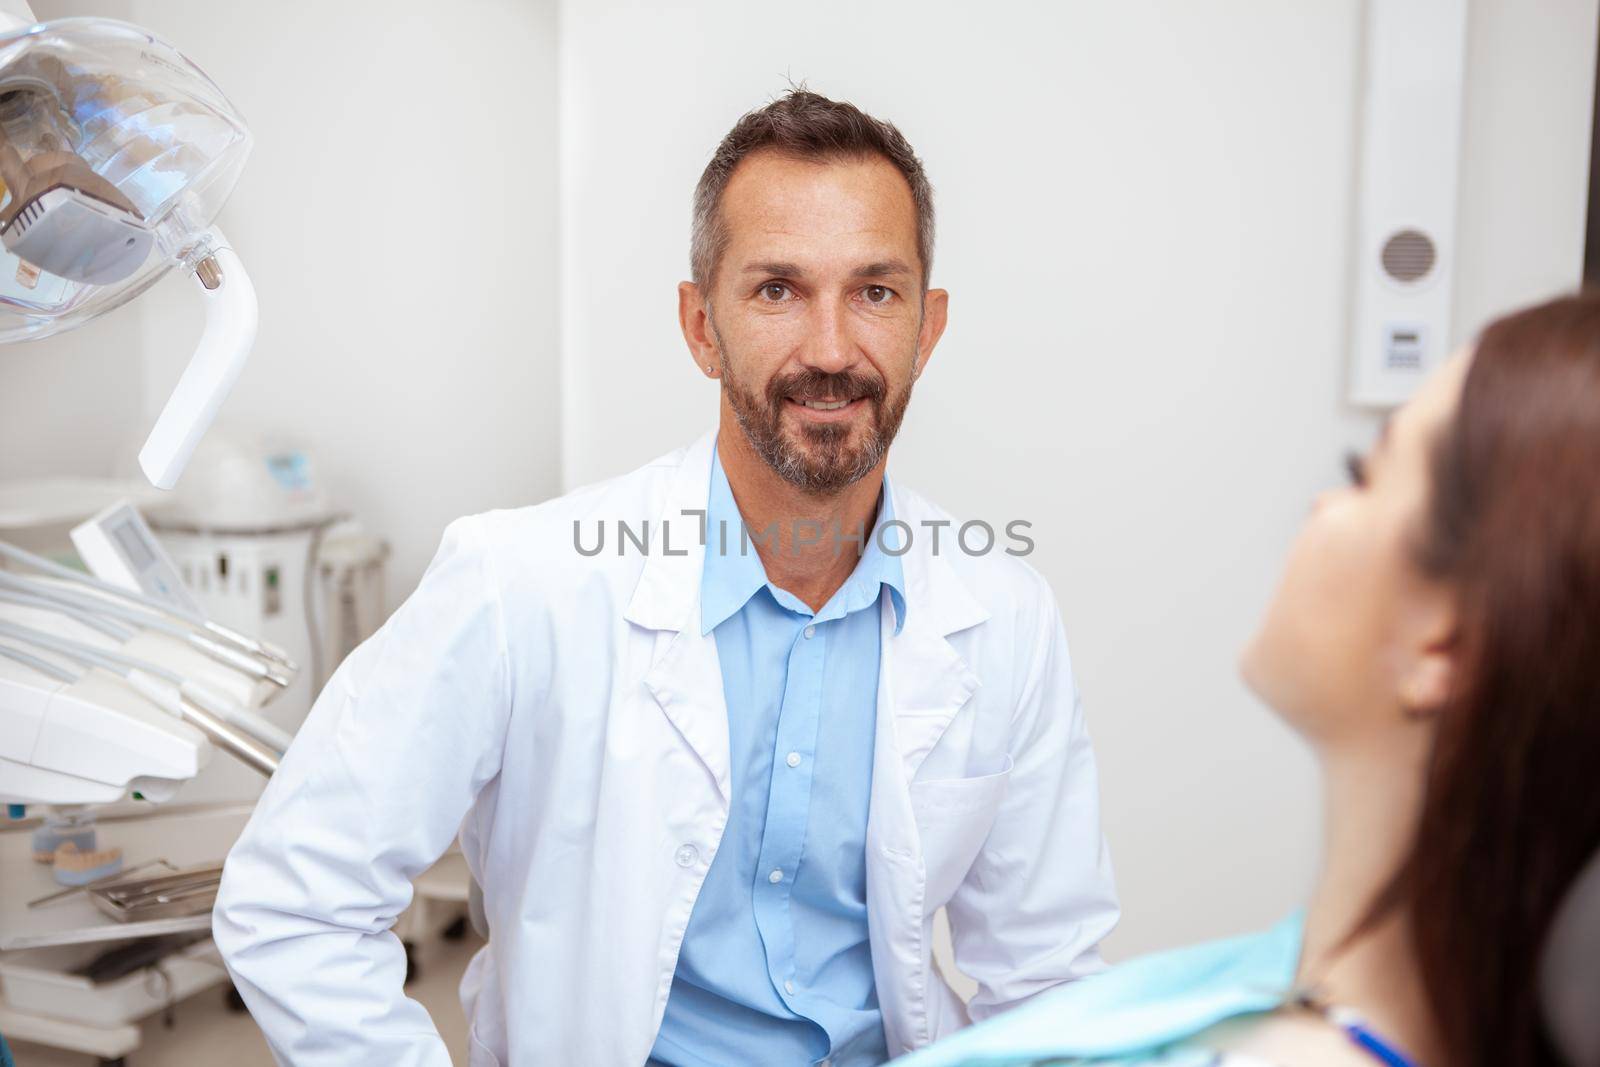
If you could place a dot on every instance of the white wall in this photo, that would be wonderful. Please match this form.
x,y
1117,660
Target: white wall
x,y
398,218
86,380
1524,181
1144,218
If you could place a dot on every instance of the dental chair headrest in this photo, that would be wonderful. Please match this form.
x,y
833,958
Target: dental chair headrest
x,y
1569,972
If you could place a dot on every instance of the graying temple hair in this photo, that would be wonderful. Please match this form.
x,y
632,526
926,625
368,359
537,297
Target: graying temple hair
x,y
802,125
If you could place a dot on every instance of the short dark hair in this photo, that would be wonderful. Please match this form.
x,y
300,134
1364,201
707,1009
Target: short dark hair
x,y
802,125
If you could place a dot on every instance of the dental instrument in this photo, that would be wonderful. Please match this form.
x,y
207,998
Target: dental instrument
x,y
165,689
261,649
92,606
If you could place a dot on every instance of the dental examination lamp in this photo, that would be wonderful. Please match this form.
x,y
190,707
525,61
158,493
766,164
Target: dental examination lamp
x,y
116,154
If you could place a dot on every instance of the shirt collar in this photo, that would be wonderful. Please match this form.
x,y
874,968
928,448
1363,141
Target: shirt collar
x,y
733,575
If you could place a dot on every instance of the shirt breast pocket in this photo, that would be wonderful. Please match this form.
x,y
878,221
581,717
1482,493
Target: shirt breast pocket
x,y
954,817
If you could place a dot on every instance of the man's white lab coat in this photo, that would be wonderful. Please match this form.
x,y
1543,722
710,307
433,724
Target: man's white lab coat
x,y
564,713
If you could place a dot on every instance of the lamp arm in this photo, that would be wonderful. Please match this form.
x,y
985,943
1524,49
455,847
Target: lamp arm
x,y
230,331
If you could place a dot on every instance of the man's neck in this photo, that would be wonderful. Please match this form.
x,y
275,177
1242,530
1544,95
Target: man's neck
x,y
813,546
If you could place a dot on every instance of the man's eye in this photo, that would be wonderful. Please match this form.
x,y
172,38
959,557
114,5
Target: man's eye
x,y
774,291
878,294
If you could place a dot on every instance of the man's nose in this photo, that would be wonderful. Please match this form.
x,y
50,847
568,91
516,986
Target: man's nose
x,y
831,348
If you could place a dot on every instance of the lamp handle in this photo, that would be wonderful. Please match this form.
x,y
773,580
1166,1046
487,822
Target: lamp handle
x,y
230,331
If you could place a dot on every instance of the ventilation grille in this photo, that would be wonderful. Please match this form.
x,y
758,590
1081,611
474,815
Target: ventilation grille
x,y
26,217
1408,256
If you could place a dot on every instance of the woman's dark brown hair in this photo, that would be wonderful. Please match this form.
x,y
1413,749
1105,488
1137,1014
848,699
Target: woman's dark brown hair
x,y
1511,810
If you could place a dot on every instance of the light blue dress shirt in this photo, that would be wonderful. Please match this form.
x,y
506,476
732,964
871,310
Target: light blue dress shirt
x,y
775,966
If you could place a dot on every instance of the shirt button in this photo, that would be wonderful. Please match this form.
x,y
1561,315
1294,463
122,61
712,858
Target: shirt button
x,y
686,855
811,631
775,877
788,987
793,760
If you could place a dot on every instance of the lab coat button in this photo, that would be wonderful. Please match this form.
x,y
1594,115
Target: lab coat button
x,y
811,631
775,877
687,855
793,760
788,987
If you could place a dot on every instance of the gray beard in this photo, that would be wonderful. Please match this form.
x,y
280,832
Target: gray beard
x,y
825,462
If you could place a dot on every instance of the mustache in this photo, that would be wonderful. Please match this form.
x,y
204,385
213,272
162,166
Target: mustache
x,y
813,384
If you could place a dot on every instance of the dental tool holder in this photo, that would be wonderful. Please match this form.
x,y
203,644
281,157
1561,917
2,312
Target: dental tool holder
x,y
188,892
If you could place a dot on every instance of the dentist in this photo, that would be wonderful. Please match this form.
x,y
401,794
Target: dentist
x,y
719,736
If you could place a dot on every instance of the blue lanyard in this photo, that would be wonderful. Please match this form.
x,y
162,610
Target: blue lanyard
x,y
1359,1033
1363,1036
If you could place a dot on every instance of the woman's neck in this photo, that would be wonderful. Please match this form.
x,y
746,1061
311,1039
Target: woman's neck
x,y
1372,799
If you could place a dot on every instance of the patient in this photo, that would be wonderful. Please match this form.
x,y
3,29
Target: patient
x,y
1436,638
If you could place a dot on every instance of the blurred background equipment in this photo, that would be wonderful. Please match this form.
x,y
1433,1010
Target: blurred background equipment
x,y
111,690
261,552
258,544
116,154
106,689
1405,234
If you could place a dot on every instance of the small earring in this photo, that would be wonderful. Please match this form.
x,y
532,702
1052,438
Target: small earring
x,y
711,370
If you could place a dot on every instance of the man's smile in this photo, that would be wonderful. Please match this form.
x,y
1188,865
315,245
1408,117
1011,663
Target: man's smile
x,y
826,410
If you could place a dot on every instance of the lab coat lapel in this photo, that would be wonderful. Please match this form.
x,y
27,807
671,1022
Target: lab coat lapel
x,y
928,682
685,675
925,681
922,683
686,681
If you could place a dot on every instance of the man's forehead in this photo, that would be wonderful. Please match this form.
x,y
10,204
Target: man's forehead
x,y
892,267
782,210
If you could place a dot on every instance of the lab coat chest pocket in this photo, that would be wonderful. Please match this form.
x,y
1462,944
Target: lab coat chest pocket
x,y
954,816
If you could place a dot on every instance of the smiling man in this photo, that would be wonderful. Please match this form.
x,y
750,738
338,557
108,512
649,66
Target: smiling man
x,y
714,794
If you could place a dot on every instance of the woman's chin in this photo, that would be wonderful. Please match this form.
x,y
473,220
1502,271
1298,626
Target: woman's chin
x,y
1255,666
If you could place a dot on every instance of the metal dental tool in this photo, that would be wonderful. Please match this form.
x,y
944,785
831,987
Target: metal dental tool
x,y
161,687
240,642
79,605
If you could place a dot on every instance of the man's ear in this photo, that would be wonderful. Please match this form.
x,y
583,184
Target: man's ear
x,y
694,318
935,313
